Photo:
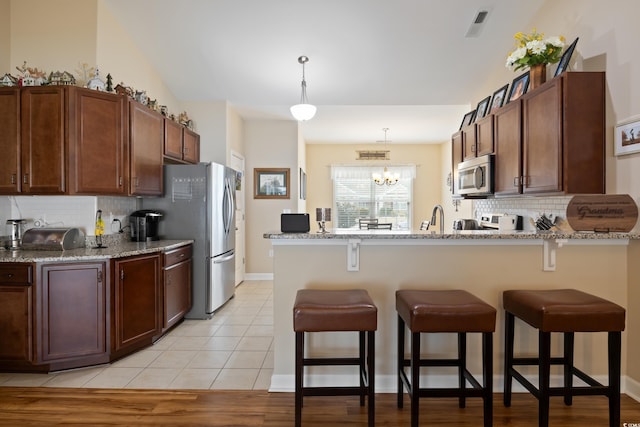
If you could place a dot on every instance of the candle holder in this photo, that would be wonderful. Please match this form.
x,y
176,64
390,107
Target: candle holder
x,y
323,215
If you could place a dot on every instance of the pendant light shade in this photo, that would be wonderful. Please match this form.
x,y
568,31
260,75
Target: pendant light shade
x,y
303,111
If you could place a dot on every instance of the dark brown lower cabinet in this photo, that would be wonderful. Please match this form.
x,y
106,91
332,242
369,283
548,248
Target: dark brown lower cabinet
x,y
64,315
71,308
177,285
136,303
16,315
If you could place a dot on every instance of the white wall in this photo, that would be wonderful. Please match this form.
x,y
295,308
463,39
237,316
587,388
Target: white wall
x,y
268,144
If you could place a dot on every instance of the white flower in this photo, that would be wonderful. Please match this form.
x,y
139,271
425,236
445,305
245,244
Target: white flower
x,y
536,46
556,41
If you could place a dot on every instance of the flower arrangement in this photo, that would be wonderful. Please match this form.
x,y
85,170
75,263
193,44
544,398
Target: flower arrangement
x,y
532,49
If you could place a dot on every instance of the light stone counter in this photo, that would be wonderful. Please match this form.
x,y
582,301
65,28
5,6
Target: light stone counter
x,y
454,235
120,250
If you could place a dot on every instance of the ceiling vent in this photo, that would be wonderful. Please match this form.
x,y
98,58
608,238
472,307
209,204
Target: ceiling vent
x,y
372,155
477,24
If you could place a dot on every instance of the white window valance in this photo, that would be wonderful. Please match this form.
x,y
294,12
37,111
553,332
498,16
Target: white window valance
x,y
365,172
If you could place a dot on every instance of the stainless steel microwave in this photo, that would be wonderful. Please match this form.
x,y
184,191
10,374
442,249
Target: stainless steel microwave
x,y
475,176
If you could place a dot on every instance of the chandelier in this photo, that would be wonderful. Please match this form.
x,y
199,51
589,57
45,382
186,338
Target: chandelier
x,y
303,111
386,178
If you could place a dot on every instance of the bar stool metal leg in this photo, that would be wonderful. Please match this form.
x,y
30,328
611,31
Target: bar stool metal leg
x,y
371,366
462,366
299,374
614,378
568,367
361,367
487,374
400,361
544,339
508,356
414,389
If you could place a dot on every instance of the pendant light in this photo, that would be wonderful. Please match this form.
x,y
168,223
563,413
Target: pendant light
x,y
303,111
386,178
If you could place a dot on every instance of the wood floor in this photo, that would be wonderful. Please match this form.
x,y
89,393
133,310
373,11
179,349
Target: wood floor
x,y
106,407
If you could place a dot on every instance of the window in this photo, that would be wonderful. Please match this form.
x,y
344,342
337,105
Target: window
x,y
355,196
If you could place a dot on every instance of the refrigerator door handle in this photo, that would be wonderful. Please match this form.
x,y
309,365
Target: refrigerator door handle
x,y
224,259
228,207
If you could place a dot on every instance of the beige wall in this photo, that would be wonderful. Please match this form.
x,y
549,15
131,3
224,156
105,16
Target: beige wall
x,y
53,36
427,190
235,133
210,120
268,144
633,312
5,38
117,55
387,266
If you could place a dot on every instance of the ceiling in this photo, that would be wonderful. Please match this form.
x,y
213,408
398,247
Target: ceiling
x,y
405,65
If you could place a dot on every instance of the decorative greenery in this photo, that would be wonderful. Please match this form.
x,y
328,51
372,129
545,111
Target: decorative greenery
x,y
532,49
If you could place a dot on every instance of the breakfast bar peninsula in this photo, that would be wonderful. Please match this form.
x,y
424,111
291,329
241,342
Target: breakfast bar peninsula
x,y
485,263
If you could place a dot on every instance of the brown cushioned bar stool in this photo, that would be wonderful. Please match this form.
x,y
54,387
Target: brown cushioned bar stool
x,y
317,310
567,311
434,311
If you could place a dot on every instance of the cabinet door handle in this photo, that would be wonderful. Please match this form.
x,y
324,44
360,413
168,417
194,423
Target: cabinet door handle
x,y
121,274
25,178
99,276
473,148
119,181
14,178
516,181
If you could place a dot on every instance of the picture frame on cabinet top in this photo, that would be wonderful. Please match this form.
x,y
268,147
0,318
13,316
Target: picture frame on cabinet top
x,y
467,119
482,109
498,98
519,87
627,136
565,58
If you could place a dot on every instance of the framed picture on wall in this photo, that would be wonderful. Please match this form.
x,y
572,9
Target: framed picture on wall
x,y
271,183
627,136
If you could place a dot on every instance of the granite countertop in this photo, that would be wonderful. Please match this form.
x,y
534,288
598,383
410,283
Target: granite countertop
x,y
453,235
119,250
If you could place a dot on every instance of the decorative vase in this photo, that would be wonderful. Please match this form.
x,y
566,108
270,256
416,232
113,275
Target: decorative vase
x,y
537,75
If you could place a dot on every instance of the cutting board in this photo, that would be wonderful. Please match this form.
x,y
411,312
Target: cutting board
x,y
602,213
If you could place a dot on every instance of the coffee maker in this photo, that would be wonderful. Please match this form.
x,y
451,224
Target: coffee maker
x,y
144,225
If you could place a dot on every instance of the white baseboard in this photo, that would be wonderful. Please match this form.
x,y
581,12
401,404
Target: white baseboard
x,y
631,388
258,276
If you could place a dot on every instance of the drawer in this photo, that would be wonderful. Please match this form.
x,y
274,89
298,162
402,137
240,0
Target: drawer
x,y
177,255
16,274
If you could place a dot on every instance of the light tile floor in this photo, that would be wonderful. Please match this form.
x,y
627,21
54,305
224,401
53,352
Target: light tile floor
x,y
233,350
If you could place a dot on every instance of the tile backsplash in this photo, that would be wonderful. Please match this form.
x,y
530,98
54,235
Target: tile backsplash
x,y
528,207
67,211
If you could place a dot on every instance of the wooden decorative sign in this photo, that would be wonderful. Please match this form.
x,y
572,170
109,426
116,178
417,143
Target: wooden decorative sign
x,y
602,213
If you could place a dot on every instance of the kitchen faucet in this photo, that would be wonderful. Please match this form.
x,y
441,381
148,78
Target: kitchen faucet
x,y
433,217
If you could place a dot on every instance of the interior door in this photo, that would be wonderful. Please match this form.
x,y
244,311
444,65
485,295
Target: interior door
x,y
237,163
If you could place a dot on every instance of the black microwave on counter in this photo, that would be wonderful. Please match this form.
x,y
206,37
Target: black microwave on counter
x,y
475,176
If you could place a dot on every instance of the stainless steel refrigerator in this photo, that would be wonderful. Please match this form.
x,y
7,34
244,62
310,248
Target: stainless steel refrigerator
x,y
199,204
